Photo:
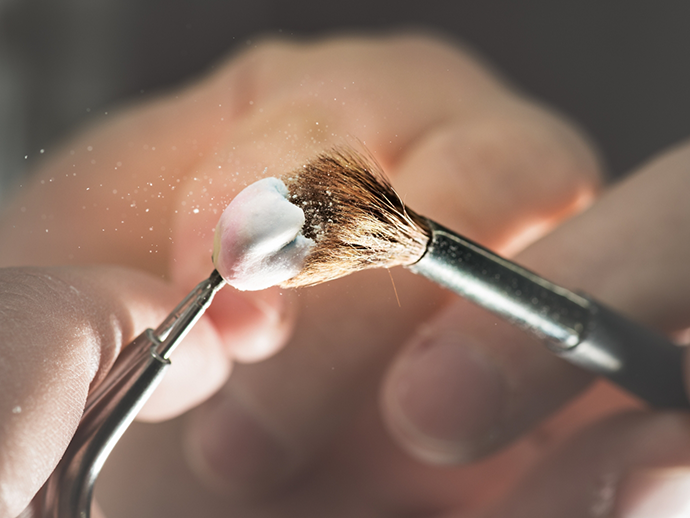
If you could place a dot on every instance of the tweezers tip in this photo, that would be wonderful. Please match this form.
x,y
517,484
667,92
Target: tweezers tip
x,y
215,279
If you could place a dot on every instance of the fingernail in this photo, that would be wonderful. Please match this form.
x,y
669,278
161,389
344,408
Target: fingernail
x,y
232,450
446,399
656,493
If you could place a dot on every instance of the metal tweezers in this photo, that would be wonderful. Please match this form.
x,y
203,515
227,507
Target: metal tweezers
x,y
114,404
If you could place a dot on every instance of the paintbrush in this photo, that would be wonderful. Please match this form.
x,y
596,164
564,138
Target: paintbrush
x,y
338,214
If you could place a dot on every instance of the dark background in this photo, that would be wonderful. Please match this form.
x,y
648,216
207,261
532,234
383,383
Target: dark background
x,y
618,68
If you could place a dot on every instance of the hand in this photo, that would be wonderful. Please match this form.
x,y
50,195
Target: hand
x,y
467,386
145,190
60,330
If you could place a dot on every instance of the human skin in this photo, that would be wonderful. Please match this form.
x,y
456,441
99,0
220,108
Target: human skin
x,y
461,148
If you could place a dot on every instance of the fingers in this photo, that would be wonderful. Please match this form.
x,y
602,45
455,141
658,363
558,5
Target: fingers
x,y
302,99
629,249
633,465
60,331
502,179
291,405
461,129
346,332
468,384
110,197
145,188
181,159
107,195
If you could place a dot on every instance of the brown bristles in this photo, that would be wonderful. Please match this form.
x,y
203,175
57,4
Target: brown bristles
x,y
355,217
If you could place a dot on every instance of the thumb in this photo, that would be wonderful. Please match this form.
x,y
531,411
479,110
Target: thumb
x,y
60,331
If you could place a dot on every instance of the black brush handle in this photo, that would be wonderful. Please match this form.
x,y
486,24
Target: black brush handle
x,y
573,326
634,357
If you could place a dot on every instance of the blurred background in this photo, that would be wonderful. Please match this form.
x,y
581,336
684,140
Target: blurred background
x,y
618,68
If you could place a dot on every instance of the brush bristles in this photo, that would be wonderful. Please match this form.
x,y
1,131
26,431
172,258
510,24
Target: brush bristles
x,y
354,216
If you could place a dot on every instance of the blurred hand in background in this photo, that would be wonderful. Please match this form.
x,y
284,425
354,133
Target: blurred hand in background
x,y
303,434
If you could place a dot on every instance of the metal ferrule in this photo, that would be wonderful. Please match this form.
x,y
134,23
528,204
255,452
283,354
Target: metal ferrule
x,y
517,295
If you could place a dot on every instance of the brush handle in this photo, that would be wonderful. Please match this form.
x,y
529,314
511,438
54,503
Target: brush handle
x,y
634,357
573,326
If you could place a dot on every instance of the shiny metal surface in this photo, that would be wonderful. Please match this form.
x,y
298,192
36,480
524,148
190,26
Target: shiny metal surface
x,y
114,404
508,290
576,328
